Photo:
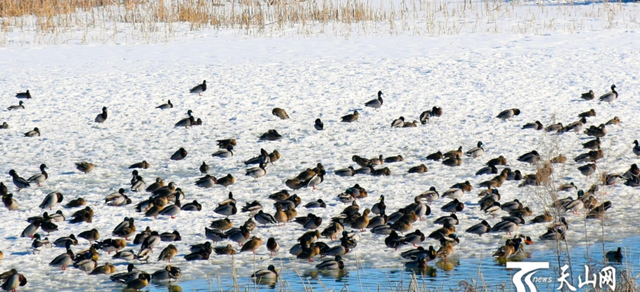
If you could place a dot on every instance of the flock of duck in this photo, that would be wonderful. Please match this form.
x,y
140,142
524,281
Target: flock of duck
x,y
393,229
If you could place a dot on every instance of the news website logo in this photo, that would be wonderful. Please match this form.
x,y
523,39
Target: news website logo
x,y
606,277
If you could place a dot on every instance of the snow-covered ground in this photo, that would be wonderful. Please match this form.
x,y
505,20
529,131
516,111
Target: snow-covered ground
x,y
472,77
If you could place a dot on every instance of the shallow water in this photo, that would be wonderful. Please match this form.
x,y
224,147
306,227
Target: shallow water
x,y
485,271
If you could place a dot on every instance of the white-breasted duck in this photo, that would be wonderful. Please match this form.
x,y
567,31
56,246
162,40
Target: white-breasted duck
x,y
200,88
16,107
40,177
33,133
375,103
167,105
508,114
610,96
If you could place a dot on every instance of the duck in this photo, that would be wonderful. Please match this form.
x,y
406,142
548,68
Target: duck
x,y
425,116
316,204
252,244
271,135
18,181
394,240
170,236
226,180
9,202
65,259
542,218
12,280
567,187
588,95
500,160
309,251
480,228
168,253
265,276
636,148
143,164
25,94
614,121
437,156
610,96
490,169
614,255
530,157
90,235
504,226
193,206
349,171
227,209
375,103
430,195
172,210
263,157
599,131
507,250
535,125
85,167
588,169
158,184
139,283
557,127
224,153
168,273
331,264
451,219
453,193
398,123
592,144
16,107
558,159
179,155
350,117
453,206
257,172
125,229
318,124
476,151
575,126
206,181
200,88
587,114
40,177
39,242
4,125
508,114
452,161
102,117
62,241
138,184
418,169
410,124
117,199
280,113
167,105
310,221
186,122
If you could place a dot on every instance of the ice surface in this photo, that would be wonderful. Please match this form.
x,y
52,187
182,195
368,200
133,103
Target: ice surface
x,y
472,77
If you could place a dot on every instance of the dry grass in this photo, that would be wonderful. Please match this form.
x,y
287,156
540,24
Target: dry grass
x,y
60,21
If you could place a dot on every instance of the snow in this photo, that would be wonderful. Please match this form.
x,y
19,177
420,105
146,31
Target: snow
x,y
472,77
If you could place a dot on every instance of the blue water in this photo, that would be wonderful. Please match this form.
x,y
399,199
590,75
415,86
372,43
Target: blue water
x,y
485,272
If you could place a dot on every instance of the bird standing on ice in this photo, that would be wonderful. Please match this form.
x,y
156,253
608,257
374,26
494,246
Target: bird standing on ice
x,y
375,103
100,118
199,89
